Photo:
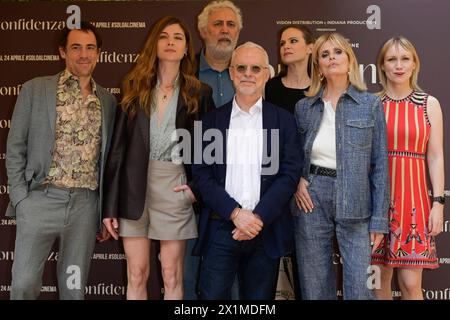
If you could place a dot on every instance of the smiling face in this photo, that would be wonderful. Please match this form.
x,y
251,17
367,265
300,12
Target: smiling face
x,y
293,47
249,71
81,53
398,65
333,60
171,43
221,32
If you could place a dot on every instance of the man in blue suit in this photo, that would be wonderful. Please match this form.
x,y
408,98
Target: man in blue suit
x,y
246,178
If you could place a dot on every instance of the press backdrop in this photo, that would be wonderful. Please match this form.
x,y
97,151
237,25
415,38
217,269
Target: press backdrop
x,y
28,48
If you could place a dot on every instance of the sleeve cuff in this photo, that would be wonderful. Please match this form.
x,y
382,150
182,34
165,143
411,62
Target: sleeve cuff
x,y
17,194
379,225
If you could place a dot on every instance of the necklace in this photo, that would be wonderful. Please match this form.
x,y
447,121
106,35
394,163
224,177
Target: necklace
x,y
166,92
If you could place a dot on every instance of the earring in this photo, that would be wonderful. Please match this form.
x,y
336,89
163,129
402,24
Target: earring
x,y
321,77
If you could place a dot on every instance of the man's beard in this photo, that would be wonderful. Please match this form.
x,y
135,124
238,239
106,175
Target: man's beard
x,y
219,51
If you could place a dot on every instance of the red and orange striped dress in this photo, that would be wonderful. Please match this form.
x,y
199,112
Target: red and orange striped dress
x,y
408,129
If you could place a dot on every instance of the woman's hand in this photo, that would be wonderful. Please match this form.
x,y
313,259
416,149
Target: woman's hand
x,y
103,235
187,190
112,226
436,219
375,240
302,197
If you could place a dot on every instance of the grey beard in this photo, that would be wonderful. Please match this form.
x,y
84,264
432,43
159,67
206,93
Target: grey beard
x,y
219,53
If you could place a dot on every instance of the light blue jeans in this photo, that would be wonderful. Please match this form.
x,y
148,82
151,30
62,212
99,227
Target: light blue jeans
x,y
314,233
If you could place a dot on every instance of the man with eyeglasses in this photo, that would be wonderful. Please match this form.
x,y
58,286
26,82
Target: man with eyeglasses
x,y
219,25
56,152
245,225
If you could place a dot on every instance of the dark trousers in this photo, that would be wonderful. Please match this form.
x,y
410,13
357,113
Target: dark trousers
x,y
257,272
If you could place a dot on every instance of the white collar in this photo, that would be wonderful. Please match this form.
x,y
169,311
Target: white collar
x,y
256,108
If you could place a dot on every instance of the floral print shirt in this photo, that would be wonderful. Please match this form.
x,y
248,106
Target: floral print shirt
x,y
77,136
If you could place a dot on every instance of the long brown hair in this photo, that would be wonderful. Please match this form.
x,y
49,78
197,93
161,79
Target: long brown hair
x,y
141,80
307,36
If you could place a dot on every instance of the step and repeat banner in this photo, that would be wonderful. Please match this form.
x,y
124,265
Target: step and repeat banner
x,y
28,48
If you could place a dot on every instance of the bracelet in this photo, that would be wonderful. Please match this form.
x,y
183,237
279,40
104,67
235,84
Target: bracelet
x,y
235,215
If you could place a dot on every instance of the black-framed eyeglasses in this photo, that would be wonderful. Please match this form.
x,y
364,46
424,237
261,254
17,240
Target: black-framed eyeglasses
x,y
254,68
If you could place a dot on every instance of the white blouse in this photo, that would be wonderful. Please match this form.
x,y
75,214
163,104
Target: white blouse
x,y
323,153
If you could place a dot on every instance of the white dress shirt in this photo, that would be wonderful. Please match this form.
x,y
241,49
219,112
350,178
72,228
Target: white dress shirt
x,y
244,155
323,153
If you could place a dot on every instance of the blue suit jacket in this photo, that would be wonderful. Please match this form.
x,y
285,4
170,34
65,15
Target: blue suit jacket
x,y
276,189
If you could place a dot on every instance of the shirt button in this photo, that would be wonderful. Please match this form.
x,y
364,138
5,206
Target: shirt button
x,y
221,94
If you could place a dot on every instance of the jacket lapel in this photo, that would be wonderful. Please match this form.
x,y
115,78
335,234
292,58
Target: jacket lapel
x,y
223,124
144,124
106,115
50,97
268,123
180,113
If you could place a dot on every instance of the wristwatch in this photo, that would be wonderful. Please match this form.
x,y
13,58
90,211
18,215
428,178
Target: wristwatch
x,y
440,199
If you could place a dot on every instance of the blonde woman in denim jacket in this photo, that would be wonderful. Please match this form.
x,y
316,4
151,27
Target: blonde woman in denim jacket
x,y
344,186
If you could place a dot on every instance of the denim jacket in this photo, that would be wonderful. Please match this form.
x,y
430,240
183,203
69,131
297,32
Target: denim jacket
x,y
361,154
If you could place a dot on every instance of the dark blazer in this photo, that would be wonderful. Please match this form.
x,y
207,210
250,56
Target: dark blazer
x,y
126,168
276,189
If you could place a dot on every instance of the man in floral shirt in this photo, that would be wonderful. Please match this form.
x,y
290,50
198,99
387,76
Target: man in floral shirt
x,y
56,151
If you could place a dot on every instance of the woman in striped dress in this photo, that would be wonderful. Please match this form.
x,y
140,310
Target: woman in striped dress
x,y
415,147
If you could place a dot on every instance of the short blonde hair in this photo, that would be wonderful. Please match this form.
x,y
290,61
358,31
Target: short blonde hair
x,y
408,46
202,19
354,75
